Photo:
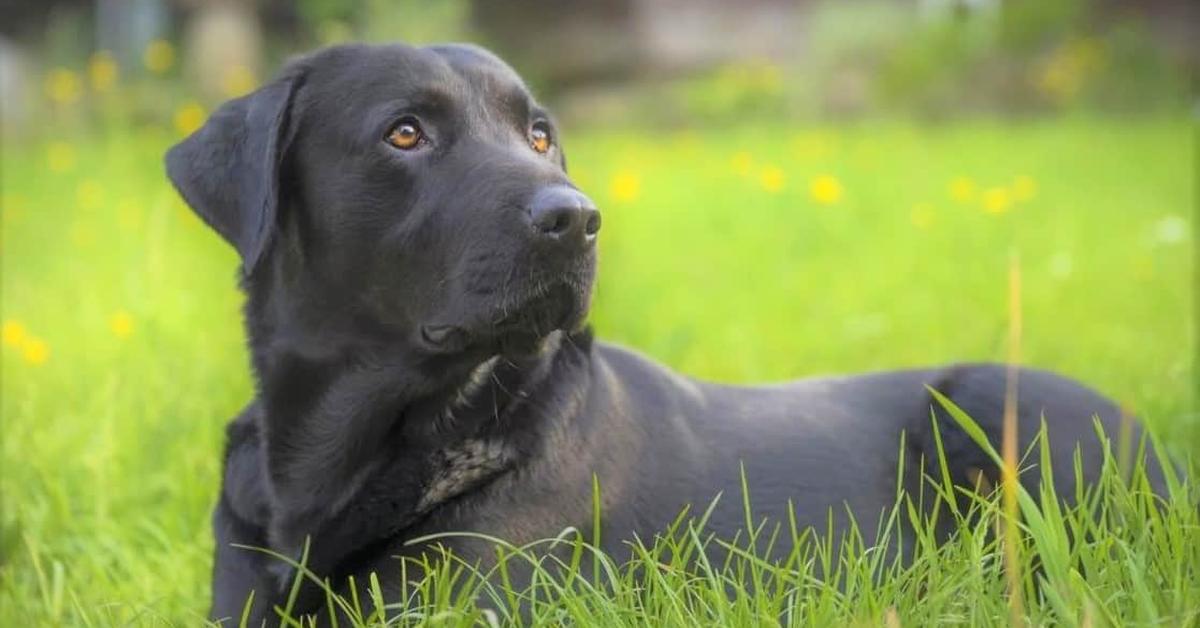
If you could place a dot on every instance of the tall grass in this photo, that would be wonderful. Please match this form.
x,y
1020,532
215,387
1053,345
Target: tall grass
x,y
1121,555
1010,479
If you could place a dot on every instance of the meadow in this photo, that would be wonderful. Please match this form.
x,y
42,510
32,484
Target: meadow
x,y
746,253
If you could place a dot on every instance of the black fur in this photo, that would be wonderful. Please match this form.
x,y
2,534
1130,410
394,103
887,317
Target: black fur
x,y
415,317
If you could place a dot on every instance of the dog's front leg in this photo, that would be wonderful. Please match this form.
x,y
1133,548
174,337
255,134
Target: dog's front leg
x,y
323,437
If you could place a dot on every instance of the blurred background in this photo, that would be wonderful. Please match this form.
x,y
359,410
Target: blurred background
x,y
789,187
670,62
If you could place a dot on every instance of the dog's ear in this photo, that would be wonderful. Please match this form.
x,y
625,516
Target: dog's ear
x,y
228,170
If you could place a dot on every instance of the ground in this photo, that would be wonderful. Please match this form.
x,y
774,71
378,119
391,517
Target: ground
x,y
740,254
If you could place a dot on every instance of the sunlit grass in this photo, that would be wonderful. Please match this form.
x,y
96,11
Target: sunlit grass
x,y
756,253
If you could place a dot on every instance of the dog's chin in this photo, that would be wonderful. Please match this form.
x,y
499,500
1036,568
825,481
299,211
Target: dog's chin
x,y
515,327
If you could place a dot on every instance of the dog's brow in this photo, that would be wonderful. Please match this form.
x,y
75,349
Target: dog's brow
x,y
430,98
517,102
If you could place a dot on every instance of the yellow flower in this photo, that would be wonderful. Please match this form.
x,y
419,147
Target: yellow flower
x,y
812,145
1060,79
825,189
159,56
238,80
13,208
625,186
129,214
1069,68
82,234
35,350
89,194
996,200
60,157
771,178
768,77
189,118
103,71
922,216
741,162
121,324
962,189
13,333
687,140
1143,267
1024,188
62,86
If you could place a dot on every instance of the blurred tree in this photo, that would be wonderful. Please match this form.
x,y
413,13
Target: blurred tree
x,y
562,42
223,47
23,20
568,42
125,28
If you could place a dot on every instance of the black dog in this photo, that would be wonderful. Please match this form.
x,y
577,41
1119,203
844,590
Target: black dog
x,y
418,269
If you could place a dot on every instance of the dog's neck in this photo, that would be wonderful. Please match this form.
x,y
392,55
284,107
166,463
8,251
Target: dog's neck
x,y
332,418
342,427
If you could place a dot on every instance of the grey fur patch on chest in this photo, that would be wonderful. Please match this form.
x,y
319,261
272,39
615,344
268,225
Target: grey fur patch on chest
x,y
463,467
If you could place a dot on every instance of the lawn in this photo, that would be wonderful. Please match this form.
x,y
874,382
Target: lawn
x,y
743,254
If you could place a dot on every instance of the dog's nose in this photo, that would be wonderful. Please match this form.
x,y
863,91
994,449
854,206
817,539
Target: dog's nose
x,y
564,216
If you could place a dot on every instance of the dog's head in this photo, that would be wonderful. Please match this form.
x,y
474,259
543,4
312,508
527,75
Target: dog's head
x,y
417,194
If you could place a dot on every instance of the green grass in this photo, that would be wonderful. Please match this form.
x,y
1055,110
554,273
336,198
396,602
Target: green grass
x,y
111,443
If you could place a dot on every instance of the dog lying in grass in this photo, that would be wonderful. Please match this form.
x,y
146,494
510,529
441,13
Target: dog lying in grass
x,y
418,269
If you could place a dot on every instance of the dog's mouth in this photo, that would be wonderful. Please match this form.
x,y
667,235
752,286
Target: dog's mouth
x,y
517,325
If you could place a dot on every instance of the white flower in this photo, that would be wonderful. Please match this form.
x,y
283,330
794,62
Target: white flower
x,y
867,326
1061,265
1172,229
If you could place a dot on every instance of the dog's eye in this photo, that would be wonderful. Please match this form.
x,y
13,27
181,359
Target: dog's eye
x,y
539,137
406,135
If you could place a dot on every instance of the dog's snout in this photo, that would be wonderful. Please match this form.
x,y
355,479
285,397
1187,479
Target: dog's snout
x,y
565,217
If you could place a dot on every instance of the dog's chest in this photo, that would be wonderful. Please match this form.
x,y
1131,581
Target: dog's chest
x,y
462,467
